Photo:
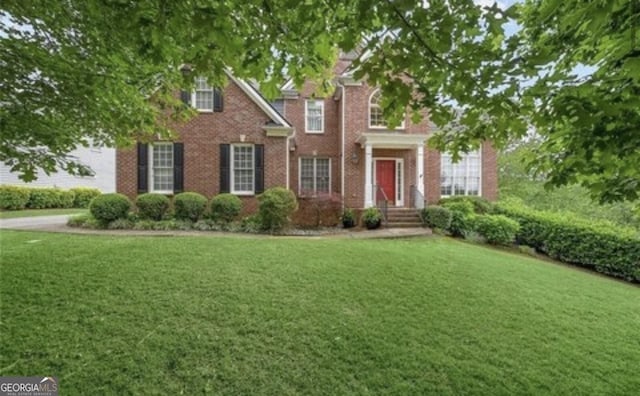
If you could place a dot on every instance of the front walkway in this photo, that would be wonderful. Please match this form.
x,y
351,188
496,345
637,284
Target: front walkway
x,y
58,224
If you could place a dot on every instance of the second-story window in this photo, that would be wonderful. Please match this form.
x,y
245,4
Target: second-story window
x,y
376,116
314,116
203,95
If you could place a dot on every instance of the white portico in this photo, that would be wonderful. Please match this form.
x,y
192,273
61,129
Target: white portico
x,y
380,171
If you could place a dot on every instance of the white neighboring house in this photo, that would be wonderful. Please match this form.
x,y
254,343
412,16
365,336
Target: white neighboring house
x,y
101,159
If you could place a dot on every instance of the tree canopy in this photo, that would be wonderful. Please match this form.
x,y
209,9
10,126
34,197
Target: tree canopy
x,y
74,71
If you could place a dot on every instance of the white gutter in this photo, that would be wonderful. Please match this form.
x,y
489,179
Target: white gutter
x,y
288,145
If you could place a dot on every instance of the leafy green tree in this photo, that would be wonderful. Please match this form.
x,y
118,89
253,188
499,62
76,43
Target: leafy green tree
x,y
75,70
590,123
518,182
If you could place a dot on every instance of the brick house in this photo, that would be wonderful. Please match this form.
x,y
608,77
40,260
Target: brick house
x,y
241,143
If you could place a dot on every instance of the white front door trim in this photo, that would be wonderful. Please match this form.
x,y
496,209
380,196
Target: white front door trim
x,y
368,176
399,185
419,176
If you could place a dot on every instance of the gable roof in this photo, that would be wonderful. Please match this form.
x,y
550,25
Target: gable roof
x,y
260,100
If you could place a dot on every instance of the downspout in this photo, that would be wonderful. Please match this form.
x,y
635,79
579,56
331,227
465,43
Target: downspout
x,y
342,172
288,145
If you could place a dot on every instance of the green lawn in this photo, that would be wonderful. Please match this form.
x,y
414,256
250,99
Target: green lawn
x,y
13,214
227,315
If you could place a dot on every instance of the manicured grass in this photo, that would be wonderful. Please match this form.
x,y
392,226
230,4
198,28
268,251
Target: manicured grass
x,y
223,315
13,214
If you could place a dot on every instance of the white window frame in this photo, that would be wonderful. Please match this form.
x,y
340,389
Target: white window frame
x,y
232,171
377,105
315,176
306,116
466,177
151,186
213,97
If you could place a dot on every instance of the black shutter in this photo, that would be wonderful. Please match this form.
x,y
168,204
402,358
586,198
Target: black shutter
x,y
225,161
143,168
178,167
185,96
259,168
218,102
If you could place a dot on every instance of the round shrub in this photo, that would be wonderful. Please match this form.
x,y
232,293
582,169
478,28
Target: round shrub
x,y
275,207
436,217
13,197
83,196
461,211
152,206
109,207
225,207
43,198
496,229
189,206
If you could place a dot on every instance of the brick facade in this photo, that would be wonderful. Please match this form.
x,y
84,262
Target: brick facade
x,y
243,120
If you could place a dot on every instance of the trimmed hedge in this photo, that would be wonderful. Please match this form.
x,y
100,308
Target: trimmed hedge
x,y
602,246
189,206
496,229
225,207
461,211
480,205
13,197
275,207
152,206
436,217
66,198
109,207
20,197
83,196
44,198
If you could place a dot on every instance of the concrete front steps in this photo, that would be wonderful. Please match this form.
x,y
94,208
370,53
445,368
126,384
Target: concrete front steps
x,y
403,218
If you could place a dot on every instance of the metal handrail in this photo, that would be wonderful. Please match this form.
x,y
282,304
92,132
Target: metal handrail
x,y
416,198
382,204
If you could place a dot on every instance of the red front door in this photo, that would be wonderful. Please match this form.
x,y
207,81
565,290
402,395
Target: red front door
x,y
386,179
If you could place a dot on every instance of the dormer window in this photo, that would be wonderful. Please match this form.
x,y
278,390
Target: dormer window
x,y
376,116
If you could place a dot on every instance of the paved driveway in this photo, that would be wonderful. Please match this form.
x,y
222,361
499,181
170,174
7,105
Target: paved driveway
x,y
34,223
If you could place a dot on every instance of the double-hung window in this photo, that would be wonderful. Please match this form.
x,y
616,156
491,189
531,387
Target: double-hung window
x,y
203,95
242,169
461,178
161,158
315,175
314,116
